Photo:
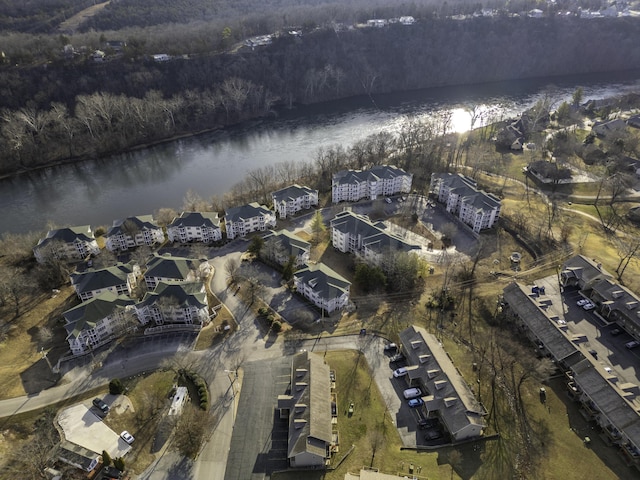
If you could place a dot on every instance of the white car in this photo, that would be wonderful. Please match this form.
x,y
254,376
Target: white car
x,y
588,306
582,301
127,437
388,200
632,344
400,372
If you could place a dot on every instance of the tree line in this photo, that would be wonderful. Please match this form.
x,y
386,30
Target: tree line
x,y
112,107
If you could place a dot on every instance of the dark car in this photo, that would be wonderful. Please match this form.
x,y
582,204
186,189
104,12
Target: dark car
x,y
425,423
433,434
390,347
398,357
100,405
616,331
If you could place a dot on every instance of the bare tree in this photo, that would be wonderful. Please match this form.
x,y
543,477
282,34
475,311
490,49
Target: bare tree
x,y
191,429
232,268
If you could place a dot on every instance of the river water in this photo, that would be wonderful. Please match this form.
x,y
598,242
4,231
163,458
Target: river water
x,y
98,191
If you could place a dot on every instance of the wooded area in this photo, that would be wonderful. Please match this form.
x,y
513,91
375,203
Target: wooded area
x,y
88,109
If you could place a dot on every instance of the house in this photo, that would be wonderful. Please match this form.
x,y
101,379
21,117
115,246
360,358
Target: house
x,y
408,20
195,227
281,246
634,121
161,268
76,456
133,232
70,244
582,272
322,286
175,304
307,406
448,396
535,13
610,127
380,180
240,221
116,45
98,56
98,321
355,233
377,22
120,279
291,200
475,208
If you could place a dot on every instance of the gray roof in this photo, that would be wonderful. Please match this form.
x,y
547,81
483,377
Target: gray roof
x,y
86,315
68,235
91,280
196,219
139,223
293,244
467,189
253,209
375,173
609,400
311,387
291,193
452,396
618,299
326,282
372,235
166,266
586,271
186,294
526,306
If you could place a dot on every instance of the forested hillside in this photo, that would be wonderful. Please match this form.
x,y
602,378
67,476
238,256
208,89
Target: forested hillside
x,y
91,109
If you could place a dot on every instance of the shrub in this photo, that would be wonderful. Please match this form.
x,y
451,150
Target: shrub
x,y
119,463
116,387
263,311
106,458
270,319
276,326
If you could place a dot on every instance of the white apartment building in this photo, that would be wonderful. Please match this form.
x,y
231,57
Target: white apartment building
x,y
195,227
380,180
240,221
71,244
133,232
291,200
322,286
459,193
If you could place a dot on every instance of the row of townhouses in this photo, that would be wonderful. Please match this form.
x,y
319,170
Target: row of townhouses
x,y
461,197
613,404
175,300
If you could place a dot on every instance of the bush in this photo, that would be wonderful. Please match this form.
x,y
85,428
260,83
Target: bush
x,y
116,387
119,463
276,327
270,319
106,458
263,311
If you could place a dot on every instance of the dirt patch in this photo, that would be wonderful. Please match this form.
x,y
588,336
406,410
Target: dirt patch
x,y
72,24
38,330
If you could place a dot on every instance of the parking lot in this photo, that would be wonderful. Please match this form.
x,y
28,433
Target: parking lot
x,y
610,351
414,425
259,441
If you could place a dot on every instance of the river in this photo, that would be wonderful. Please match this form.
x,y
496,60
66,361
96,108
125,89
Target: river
x,y
96,192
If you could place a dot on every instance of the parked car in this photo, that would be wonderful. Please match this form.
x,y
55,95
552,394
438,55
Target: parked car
x,y
127,437
412,393
582,302
433,434
632,344
425,423
416,402
100,405
593,353
388,200
400,372
589,306
390,347
615,332
398,357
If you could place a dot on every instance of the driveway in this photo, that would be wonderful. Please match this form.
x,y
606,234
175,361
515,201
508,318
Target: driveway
x,y
83,427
